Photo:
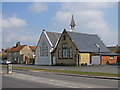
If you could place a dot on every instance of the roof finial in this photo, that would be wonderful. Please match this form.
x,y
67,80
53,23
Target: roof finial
x,y
72,24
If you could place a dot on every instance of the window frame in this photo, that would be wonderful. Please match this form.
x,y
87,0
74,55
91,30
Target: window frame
x,y
71,53
112,58
43,49
59,53
65,51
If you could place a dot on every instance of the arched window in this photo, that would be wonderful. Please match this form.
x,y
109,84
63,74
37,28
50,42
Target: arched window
x,y
43,49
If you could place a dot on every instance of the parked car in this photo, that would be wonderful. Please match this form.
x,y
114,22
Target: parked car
x,y
6,62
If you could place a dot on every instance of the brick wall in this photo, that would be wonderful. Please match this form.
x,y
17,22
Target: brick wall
x,y
106,59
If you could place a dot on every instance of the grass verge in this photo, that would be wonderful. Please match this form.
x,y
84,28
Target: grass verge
x,y
67,72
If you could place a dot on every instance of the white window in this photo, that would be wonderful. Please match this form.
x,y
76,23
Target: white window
x,y
111,57
65,51
70,52
60,53
43,49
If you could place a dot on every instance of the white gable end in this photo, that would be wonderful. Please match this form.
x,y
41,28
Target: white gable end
x,y
43,55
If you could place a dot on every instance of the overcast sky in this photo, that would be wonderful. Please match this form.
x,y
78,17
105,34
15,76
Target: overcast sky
x,y
24,21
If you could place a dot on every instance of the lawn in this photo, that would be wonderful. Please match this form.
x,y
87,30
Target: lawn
x,y
66,72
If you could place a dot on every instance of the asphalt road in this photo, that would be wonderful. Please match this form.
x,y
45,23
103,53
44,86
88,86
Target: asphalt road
x,y
35,79
8,82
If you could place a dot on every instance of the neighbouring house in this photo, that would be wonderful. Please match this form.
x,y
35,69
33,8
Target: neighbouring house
x,y
114,49
33,48
108,58
46,44
4,54
20,54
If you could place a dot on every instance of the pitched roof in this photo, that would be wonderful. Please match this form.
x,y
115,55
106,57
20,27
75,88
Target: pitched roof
x,y
13,49
87,42
108,54
33,48
114,48
53,36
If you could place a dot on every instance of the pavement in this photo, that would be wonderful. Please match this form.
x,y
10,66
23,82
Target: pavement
x,y
40,79
93,68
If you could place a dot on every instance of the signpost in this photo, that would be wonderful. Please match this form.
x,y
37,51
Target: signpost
x,y
9,68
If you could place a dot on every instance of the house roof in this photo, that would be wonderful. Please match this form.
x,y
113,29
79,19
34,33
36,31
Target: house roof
x,y
114,48
33,48
87,42
14,48
53,36
108,54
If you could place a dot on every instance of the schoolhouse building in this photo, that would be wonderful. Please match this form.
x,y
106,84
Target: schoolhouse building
x,y
46,44
74,48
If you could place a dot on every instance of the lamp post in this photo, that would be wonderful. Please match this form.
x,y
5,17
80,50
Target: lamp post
x,y
98,47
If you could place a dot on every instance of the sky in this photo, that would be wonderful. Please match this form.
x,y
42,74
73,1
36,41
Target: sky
x,y
24,21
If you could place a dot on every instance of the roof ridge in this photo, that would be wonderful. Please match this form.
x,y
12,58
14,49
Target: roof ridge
x,y
53,32
83,33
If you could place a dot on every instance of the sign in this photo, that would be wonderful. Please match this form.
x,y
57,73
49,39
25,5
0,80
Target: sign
x,y
9,68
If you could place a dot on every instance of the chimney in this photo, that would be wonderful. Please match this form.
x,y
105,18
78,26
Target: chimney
x,y
17,44
2,49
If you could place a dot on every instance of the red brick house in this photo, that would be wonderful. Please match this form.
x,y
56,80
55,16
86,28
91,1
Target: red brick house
x,y
109,58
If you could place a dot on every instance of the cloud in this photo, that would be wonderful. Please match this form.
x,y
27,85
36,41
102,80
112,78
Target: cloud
x,y
89,18
86,5
14,30
12,22
37,7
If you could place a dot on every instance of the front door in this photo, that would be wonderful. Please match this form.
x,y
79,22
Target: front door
x,y
54,60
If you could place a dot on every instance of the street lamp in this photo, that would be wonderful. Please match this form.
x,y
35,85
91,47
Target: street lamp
x,y
98,47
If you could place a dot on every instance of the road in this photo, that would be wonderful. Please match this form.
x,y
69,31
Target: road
x,y
35,79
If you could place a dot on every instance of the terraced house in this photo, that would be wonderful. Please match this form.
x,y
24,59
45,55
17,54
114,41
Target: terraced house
x,y
74,48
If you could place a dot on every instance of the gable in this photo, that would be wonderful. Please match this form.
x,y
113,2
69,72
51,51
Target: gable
x,y
67,40
42,39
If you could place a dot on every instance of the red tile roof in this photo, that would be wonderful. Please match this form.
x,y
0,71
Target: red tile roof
x,y
33,48
13,49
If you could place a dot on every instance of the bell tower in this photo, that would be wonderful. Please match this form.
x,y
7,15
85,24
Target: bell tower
x,y
72,24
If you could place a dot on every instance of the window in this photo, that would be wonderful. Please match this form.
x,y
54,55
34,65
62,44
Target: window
x,y
59,53
111,57
70,52
64,37
43,49
65,51
15,53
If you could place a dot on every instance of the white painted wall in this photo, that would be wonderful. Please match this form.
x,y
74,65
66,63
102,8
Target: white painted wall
x,y
96,60
43,60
